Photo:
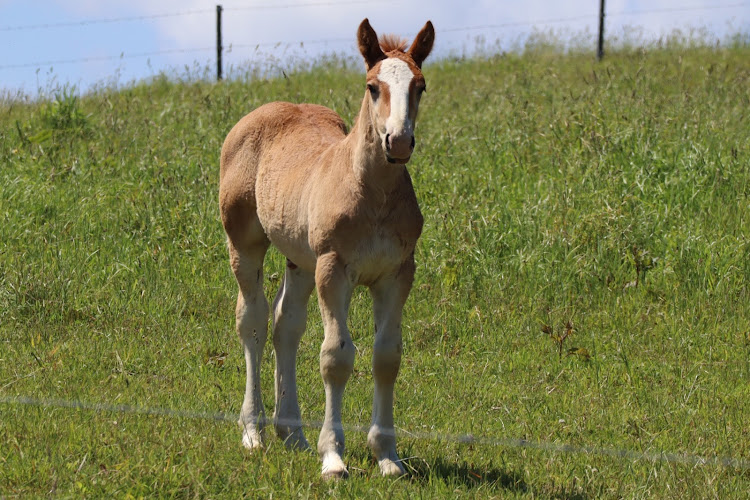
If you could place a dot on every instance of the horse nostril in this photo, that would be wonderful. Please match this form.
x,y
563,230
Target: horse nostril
x,y
413,142
388,142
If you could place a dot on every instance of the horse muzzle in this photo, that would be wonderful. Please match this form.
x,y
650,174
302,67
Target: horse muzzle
x,y
398,148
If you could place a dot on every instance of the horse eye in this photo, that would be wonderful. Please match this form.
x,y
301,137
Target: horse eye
x,y
373,89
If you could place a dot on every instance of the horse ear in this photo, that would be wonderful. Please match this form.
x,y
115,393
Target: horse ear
x,y
368,44
422,44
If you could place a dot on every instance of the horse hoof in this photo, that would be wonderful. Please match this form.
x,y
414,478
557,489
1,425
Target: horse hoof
x,y
389,468
252,440
335,475
296,441
334,468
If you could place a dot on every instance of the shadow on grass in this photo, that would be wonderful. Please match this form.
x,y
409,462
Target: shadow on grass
x,y
488,478
466,475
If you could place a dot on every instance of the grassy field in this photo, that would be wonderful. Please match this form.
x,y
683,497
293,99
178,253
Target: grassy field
x,y
583,279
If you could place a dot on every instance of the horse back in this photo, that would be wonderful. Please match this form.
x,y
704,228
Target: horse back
x,y
295,128
277,142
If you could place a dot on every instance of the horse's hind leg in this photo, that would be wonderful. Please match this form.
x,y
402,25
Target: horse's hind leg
x,y
289,319
246,256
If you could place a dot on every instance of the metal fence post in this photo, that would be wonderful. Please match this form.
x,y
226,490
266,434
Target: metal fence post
x,y
218,42
600,47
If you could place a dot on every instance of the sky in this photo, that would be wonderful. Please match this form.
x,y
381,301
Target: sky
x,y
45,44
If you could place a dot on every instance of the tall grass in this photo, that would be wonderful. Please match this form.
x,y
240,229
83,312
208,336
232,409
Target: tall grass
x,y
582,279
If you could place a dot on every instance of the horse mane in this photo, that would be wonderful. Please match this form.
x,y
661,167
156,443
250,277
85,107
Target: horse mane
x,y
390,42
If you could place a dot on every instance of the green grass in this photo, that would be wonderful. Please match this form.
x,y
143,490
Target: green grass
x,y
612,197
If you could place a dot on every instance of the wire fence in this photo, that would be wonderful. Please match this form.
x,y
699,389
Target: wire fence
x,y
458,439
152,17
123,55
593,17
107,20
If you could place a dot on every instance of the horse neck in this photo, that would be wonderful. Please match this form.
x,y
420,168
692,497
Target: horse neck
x,y
369,164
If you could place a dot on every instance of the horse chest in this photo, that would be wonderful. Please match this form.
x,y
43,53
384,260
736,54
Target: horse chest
x,y
374,244
387,245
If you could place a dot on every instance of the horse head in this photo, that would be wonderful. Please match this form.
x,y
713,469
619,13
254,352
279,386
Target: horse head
x,y
395,85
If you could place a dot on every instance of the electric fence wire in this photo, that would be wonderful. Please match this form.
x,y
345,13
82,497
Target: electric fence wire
x,y
459,439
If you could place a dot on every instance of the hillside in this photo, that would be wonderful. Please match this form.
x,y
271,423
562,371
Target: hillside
x,y
609,202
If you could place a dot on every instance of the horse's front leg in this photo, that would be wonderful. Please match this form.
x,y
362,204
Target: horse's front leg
x,y
336,357
388,298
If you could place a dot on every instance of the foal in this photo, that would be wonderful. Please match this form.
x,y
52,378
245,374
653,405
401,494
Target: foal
x,y
343,211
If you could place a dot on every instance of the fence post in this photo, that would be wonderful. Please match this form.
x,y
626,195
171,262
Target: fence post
x,y
600,47
218,42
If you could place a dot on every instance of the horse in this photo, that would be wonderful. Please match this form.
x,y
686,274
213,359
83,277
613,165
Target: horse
x,y
342,209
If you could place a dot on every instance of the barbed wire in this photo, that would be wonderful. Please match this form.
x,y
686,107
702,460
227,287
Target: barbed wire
x,y
459,439
311,4
291,43
123,55
106,20
152,17
589,17
678,9
522,23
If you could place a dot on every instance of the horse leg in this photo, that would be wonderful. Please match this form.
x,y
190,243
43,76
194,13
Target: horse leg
x,y
388,298
289,319
336,358
252,321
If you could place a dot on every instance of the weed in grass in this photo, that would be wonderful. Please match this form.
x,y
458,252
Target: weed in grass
x,y
560,336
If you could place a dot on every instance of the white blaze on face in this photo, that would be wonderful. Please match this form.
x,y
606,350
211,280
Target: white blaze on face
x,y
398,76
